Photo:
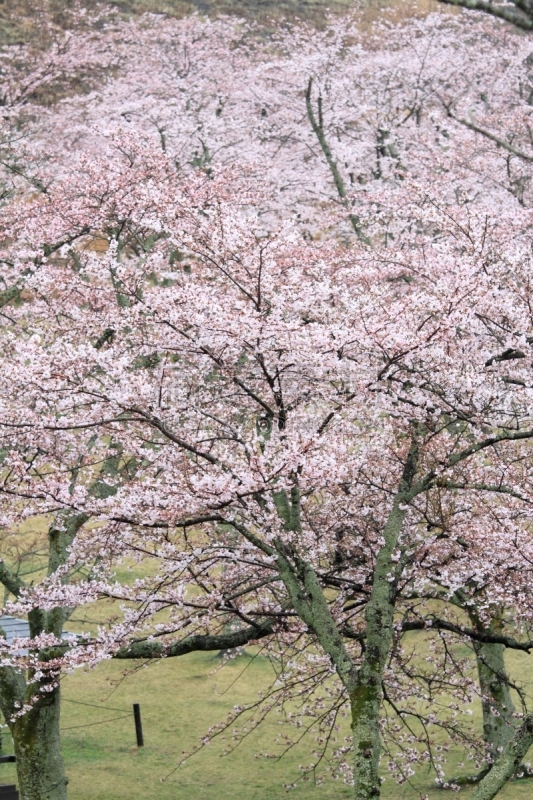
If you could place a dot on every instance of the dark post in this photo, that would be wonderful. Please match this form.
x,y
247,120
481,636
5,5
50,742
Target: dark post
x,y
138,724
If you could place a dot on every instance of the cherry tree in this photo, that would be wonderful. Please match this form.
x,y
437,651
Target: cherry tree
x,y
351,113
36,76
198,319
29,691
305,415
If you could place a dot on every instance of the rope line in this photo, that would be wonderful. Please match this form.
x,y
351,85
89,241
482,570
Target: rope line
x,y
90,724
93,705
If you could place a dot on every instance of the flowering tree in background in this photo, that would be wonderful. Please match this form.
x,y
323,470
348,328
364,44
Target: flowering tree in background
x,y
33,78
350,114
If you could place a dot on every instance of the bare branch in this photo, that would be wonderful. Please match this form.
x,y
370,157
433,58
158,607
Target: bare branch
x,y
517,12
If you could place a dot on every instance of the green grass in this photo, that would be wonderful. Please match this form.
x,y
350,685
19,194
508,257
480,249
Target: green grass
x,y
179,699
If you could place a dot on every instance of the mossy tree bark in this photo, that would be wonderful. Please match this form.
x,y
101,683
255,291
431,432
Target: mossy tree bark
x,y
37,740
363,683
499,724
36,734
366,696
508,762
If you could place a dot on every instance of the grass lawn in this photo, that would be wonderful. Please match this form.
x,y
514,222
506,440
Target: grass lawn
x,y
179,699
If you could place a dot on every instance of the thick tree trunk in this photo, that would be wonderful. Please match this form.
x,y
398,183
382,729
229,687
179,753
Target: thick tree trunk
x,y
365,703
36,737
499,724
367,695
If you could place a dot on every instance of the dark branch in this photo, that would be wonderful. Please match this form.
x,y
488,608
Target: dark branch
x,y
478,636
517,12
204,642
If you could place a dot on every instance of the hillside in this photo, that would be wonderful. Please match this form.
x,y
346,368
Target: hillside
x,y
21,20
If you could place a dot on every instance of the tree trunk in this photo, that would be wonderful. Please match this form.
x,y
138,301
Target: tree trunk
x,y
365,702
364,685
508,762
367,695
499,725
36,737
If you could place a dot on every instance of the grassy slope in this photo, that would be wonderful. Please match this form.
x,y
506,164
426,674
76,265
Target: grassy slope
x,y
179,699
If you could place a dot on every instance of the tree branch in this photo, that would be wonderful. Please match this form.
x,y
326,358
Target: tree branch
x,y
484,637
493,138
318,130
508,763
519,13
207,642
